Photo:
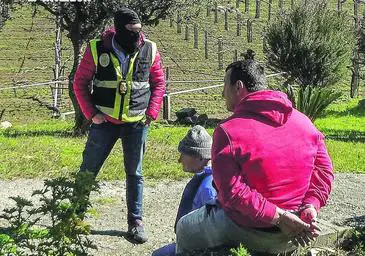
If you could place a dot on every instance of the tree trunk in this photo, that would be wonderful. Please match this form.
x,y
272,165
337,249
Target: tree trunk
x,y
355,81
81,124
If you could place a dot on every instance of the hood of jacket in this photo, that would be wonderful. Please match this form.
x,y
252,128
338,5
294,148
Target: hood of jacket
x,y
270,105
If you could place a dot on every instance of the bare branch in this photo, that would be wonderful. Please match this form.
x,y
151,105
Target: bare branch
x,y
47,6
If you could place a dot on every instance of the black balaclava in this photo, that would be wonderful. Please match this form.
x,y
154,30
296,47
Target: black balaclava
x,y
127,39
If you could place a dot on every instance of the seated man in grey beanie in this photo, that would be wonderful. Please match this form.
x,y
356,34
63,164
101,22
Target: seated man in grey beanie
x,y
195,155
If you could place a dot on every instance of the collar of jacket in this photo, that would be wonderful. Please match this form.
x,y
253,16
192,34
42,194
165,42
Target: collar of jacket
x,y
107,38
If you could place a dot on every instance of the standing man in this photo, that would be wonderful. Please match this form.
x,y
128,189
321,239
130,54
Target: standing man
x,y
125,74
270,166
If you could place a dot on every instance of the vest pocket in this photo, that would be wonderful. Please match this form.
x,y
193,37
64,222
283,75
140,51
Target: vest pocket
x,y
139,99
103,96
142,70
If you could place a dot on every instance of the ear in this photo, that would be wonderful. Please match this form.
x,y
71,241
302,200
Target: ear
x,y
240,87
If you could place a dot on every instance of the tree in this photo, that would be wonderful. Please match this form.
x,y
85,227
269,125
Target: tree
x,y
313,46
6,6
358,59
4,12
84,20
190,9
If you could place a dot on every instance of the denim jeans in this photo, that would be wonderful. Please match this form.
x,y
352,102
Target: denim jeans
x,y
167,250
101,139
210,227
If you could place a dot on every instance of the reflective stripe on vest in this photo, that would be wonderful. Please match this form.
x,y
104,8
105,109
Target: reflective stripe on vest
x,y
154,49
126,114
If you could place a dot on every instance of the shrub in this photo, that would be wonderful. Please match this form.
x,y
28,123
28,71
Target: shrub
x,y
60,201
240,251
313,46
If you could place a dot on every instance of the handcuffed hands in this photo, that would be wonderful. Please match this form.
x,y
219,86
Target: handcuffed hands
x,y
308,213
298,231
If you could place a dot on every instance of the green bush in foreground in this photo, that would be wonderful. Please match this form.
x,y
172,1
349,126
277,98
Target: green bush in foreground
x,y
66,233
240,251
356,242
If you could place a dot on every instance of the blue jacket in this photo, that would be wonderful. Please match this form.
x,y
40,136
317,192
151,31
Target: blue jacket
x,y
197,193
206,191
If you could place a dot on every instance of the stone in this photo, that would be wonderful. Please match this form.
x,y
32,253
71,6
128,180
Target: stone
x,y
185,112
331,237
5,125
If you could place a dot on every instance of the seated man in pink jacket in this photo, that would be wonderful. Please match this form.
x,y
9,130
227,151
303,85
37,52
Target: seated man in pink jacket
x,y
271,169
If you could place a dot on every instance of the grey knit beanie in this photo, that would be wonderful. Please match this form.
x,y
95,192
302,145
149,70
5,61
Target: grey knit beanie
x,y
197,142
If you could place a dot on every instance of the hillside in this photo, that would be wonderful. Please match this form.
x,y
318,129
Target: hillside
x,y
27,56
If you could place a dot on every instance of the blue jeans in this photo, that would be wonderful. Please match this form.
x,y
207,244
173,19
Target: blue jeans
x,y
210,227
167,250
101,139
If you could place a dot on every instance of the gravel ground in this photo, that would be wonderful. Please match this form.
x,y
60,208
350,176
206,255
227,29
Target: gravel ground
x,y
347,205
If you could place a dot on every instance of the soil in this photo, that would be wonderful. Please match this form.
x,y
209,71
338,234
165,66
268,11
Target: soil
x,y
109,222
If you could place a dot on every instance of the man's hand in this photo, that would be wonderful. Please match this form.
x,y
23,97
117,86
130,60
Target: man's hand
x,y
299,232
308,213
98,119
148,120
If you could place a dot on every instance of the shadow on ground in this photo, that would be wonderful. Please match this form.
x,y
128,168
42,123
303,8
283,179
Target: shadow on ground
x,y
117,233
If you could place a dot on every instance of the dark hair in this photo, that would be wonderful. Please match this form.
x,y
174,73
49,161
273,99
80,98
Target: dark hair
x,y
250,72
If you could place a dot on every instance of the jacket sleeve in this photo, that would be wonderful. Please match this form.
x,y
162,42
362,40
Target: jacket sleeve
x,y
233,193
322,177
158,87
82,81
205,193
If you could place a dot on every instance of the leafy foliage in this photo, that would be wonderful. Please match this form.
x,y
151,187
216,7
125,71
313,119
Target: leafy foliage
x,y
361,35
190,9
311,100
60,201
312,44
151,12
6,7
356,242
240,251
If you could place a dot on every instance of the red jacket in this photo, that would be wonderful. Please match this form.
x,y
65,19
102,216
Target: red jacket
x,y
86,70
268,154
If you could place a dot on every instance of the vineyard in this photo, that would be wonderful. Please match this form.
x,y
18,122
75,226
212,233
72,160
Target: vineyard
x,y
195,48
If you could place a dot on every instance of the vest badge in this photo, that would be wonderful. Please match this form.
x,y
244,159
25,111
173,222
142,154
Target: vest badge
x,y
123,87
104,60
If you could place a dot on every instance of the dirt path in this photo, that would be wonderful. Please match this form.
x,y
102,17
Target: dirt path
x,y
160,206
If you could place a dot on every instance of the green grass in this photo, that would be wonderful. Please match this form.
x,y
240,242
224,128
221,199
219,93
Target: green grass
x,y
347,156
48,149
107,200
344,120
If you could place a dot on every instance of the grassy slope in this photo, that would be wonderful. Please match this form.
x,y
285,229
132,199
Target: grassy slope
x,y
44,148
48,150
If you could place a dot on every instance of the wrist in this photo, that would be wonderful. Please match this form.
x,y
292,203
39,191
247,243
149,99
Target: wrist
x,y
279,220
306,206
280,213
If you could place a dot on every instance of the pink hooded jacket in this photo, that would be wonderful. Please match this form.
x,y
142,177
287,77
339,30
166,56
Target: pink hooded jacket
x,y
268,154
86,70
